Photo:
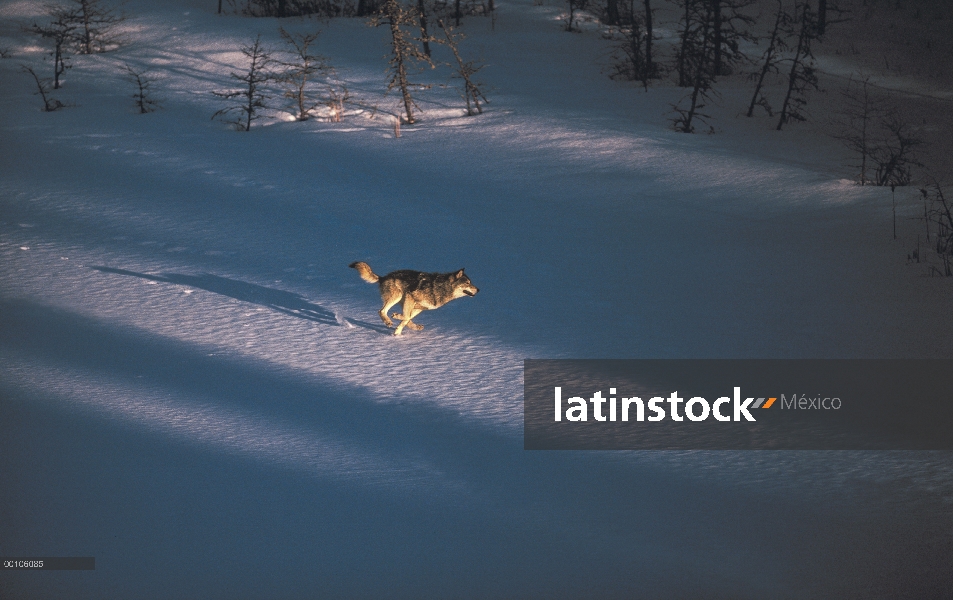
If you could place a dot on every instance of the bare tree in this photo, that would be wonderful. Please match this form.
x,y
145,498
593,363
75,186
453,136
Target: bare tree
x,y
729,28
611,15
832,12
702,79
145,101
300,71
879,135
574,7
43,90
692,23
96,25
424,35
251,94
337,99
629,59
940,215
299,8
861,115
61,31
651,69
404,52
803,75
366,8
893,157
465,71
771,60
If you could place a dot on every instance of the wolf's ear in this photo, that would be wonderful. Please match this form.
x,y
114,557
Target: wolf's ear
x,y
458,274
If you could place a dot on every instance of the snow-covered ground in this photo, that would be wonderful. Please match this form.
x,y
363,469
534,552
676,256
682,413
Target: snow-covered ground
x,y
197,391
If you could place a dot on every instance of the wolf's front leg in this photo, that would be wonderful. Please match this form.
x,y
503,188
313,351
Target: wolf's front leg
x,y
400,317
409,304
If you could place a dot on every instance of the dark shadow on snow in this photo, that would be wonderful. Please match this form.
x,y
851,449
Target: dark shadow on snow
x,y
522,517
379,328
284,302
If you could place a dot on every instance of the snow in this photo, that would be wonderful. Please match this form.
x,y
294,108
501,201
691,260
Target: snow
x,y
197,391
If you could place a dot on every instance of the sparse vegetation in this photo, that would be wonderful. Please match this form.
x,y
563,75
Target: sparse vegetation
x,y
698,63
938,218
424,34
771,59
860,115
61,31
465,71
251,95
893,156
730,27
405,54
43,90
299,8
881,138
96,25
690,36
803,76
632,58
575,6
143,96
338,98
300,71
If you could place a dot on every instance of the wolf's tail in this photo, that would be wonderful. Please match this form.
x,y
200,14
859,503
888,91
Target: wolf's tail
x,y
365,271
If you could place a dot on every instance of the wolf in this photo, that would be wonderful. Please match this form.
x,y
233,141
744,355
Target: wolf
x,y
419,292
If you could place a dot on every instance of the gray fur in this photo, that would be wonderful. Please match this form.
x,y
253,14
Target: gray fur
x,y
419,292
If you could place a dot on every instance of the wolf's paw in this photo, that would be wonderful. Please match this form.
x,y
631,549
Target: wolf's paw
x,y
414,326
387,321
398,316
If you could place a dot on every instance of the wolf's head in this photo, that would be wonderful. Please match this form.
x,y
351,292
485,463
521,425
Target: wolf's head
x,y
462,286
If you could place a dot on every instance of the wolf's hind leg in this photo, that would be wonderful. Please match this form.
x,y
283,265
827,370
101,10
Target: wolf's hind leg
x,y
388,304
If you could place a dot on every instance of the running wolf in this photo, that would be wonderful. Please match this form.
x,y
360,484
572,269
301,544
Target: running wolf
x,y
419,291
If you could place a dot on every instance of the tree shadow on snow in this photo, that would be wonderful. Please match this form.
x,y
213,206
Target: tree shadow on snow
x,y
284,302
479,504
